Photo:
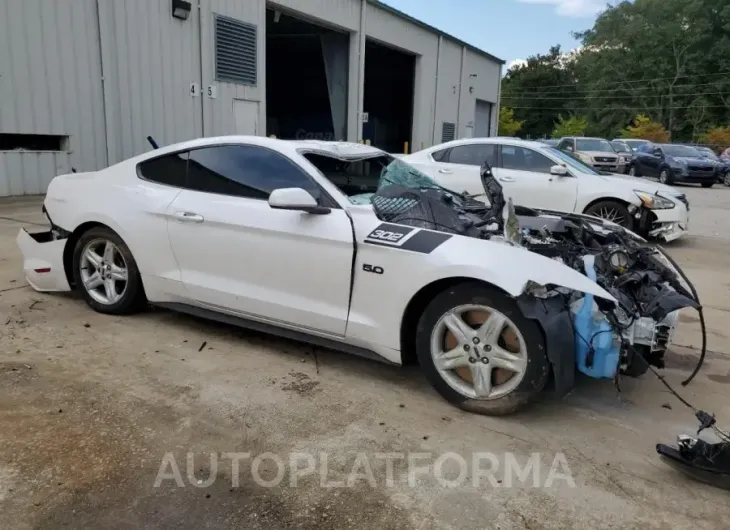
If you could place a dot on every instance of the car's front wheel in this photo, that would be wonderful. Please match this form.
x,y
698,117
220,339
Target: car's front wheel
x,y
106,273
726,179
611,211
479,351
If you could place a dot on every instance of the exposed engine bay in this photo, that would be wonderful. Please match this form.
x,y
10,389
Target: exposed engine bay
x,y
601,338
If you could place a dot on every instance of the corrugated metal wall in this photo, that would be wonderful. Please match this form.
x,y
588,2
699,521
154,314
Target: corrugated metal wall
x,y
218,113
150,60
108,73
50,83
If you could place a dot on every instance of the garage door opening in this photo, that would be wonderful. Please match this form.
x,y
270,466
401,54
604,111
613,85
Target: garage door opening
x,y
388,98
306,79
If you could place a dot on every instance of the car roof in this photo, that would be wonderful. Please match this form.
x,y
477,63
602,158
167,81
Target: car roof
x,y
507,140
337,149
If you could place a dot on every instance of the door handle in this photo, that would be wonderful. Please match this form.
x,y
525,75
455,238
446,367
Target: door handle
x,y
506,179
446,171
189,217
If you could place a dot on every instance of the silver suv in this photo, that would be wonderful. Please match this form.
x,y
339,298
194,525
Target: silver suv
x,y
596,152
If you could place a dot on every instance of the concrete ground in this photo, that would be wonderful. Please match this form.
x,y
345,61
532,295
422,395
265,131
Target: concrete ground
x,y
91,406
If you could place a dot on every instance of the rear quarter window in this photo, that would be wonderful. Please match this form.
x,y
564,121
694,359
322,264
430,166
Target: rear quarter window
x,y
170,169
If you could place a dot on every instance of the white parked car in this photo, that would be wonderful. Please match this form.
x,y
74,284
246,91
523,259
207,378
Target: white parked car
x,y
540,176
274,235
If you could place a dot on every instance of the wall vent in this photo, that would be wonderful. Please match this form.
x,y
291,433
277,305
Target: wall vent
x,y
235,51
448,132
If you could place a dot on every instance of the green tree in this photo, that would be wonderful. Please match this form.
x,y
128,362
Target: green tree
x,y
523,86
645,129
508,125
571,126
666,59
718,138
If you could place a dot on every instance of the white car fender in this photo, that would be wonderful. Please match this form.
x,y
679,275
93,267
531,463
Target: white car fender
x,y
389,274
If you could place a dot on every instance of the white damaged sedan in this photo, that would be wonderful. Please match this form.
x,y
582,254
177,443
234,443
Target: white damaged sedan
x,y
274,235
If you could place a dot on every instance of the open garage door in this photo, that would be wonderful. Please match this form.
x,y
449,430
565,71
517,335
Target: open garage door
x,y
306,79
388,99
483,119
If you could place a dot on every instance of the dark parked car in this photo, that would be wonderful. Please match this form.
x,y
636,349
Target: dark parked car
x,y
722,171
625,150
673,163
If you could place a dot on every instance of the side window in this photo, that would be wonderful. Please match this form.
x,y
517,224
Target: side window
x,y
245,171
438,156
168,169
473,154
522,159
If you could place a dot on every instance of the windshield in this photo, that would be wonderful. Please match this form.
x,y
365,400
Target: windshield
x,y
587,144
360,178
681,151
635,144
620,146
571,161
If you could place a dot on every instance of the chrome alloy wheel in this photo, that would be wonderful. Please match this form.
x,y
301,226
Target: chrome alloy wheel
x,y
726,180
104,272
612,214
479,352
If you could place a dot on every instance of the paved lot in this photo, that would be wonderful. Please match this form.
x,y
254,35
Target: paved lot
x,y
91,404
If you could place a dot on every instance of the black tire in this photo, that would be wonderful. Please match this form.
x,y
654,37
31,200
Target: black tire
x,y
537,370
707,184
133,297
634,171
726,179
609,205
666,177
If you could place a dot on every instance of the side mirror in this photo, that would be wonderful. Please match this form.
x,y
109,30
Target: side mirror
x,y
559,171
296,199
658,153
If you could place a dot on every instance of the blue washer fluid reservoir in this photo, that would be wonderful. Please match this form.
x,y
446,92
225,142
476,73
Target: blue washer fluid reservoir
x,y
591,326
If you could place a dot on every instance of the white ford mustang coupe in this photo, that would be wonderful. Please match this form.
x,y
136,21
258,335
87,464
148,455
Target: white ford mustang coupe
x,y
288,237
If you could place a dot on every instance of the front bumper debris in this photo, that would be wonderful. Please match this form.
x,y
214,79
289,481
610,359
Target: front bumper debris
x,y
43,260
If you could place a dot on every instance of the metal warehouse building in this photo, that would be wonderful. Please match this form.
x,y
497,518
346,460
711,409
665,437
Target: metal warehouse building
x,y
84,82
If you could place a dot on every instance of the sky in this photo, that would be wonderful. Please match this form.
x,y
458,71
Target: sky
x,y
510,29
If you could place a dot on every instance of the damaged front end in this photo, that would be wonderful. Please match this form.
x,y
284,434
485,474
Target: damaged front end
x,y
602,338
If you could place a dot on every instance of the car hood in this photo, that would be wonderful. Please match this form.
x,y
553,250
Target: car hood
x,y
637,184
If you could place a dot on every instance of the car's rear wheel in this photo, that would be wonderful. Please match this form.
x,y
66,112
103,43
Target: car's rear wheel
x,y
611,211
707,184
479,351
106,273
666,177
726,179
634,171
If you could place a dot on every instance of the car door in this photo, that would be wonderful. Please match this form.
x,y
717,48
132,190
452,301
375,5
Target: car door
x,y
525,176
652,161
458,169
239,255
161,180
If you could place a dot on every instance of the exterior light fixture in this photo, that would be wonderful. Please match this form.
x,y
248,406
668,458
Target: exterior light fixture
x,y
181,9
